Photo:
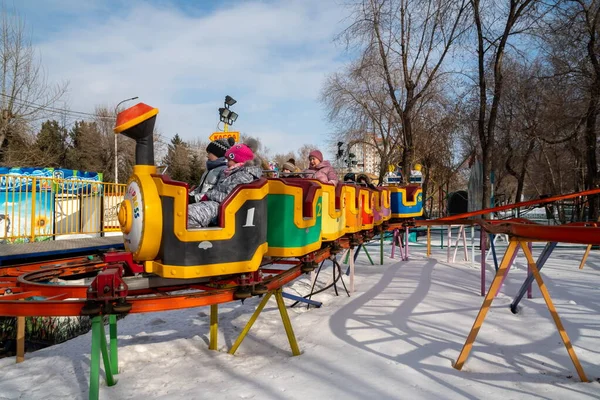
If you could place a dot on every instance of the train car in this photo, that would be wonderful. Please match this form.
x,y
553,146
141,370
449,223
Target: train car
x,y
406,201
377,211
366,211
333,224
353,203
386,208
295,217
153,216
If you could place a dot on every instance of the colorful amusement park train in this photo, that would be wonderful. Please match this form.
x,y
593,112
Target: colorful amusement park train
x,y
274,217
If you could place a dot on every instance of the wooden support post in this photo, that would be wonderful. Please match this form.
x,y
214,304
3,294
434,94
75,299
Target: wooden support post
x,y
287,324
20,339
214,326
559,326
585,256
487,302
284,318
428,240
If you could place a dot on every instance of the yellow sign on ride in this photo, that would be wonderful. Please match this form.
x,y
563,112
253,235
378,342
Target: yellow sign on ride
x,y
224,135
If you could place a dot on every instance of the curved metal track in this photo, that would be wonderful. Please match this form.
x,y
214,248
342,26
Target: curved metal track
x,y
48,298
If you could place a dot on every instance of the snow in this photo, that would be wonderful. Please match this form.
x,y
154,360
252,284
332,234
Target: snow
x,y
396,337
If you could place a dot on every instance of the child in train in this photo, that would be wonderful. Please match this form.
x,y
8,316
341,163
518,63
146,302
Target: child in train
x,y
289,167
319,169
215,163
240,169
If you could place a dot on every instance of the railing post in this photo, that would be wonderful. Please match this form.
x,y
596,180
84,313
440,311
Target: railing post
x,y
33,201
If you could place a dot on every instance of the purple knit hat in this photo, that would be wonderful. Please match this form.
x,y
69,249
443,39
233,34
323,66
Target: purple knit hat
x,y
316,154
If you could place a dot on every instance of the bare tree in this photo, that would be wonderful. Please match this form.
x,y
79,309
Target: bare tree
x,y
408,40
572,36
492,42
360,107
26,95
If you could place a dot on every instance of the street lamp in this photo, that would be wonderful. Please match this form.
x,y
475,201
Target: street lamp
x,y
227,116
116,157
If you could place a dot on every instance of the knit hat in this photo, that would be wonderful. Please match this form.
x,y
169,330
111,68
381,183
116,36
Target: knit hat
x,y
289,165
240,153
220,146
316,154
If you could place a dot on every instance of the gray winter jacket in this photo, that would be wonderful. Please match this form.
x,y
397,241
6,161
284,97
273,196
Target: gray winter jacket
x,y
226,183
209,178
203,213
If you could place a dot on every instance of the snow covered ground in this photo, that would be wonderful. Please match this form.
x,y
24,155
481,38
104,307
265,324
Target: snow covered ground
x,y
396,337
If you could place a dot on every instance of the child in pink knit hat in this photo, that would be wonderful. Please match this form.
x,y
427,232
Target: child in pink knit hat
x,y
239,170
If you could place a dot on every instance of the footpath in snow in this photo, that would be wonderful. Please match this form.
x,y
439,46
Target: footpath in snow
x,y
396,337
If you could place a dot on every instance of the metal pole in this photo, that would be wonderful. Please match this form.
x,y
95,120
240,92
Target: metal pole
x,y
116,161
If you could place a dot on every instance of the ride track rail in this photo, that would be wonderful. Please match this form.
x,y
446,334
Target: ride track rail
x,y
54,300
33,281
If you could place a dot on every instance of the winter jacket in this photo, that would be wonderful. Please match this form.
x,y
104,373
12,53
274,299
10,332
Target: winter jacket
x,y
209,177
227,182
323,172
203,213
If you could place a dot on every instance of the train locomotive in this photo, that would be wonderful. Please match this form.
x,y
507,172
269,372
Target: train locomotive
x,y
266,220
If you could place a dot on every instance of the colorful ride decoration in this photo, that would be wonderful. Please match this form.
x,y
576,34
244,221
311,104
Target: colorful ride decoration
x,y
37,203
386,207
295,217
406,201
377,212
333,224
367,217
353,204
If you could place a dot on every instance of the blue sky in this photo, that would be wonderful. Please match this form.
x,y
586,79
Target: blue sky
x,y
183,57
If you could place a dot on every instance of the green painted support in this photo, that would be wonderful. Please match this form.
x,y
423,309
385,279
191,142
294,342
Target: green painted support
x,y
346,259
114,354
95,358
99,345
368,255
381,248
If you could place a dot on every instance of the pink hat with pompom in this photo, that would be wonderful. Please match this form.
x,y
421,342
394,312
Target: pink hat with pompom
x,y
240,153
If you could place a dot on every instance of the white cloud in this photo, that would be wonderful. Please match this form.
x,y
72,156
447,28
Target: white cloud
x,y
266,55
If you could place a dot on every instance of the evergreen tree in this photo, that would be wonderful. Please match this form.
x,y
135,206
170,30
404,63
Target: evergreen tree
x,y
83,151
51,144
196,169
178,160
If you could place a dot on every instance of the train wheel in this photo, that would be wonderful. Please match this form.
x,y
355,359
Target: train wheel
x,y
121,308
243,292
308,266
91,309
259,289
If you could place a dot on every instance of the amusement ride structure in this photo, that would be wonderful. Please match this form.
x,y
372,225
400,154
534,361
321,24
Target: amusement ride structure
x,y
269,232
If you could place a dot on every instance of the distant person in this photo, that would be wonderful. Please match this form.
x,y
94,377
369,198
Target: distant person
x,y
215,163
319,169
289,167
240,169
258,160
